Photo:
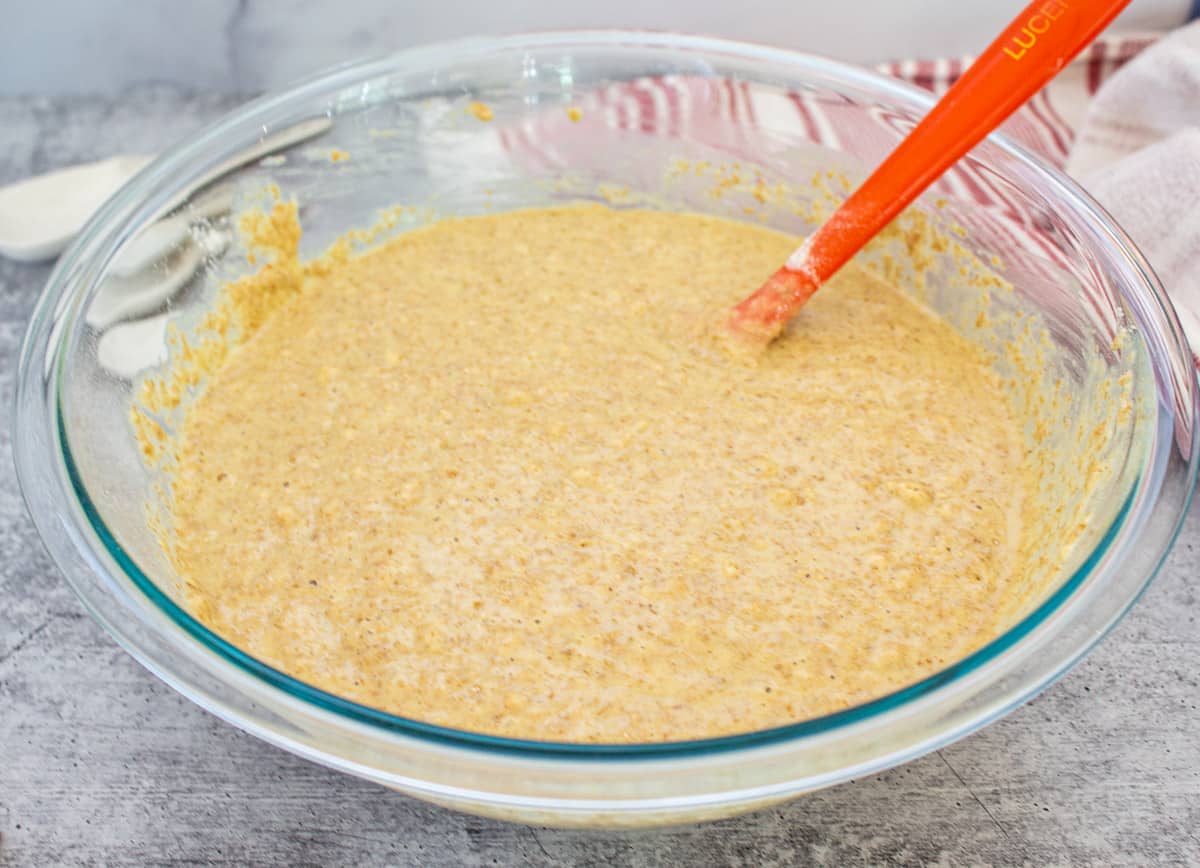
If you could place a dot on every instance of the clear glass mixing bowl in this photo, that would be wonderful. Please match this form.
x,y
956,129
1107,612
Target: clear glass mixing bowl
x,y
644,100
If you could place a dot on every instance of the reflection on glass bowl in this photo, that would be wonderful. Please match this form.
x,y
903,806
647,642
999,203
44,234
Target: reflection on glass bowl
x,y
648,100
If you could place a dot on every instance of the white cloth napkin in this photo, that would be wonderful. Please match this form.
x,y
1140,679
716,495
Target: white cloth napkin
x,y
1138,152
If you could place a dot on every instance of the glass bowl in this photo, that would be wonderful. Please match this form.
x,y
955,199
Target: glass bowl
x,y
572,111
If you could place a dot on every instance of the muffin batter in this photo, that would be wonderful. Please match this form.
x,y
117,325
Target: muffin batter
x,y
497,474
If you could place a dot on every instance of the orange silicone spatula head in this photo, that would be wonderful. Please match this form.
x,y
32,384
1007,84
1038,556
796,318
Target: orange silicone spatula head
x,y
1030,51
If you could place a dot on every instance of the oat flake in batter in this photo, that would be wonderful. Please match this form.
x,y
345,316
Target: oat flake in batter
x,y
495,475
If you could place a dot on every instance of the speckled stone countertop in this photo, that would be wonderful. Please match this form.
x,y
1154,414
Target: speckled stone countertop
x,y
102,764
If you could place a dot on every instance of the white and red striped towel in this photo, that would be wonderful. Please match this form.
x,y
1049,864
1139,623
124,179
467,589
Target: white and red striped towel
x,y
1138,153
1049,123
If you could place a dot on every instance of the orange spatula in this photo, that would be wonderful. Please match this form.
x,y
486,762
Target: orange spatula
x,y
1030,51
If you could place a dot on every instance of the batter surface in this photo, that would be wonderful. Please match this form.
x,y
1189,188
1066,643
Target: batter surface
x,y
496,475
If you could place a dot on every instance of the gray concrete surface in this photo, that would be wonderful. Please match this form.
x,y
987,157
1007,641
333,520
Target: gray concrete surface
x,y
100,764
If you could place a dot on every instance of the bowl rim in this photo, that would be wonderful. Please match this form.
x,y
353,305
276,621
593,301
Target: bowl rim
x,y
120,210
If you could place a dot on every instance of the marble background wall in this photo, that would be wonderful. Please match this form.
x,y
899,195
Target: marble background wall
x,y
242,46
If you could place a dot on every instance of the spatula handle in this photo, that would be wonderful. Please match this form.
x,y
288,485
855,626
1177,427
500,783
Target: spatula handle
x,y
1030,51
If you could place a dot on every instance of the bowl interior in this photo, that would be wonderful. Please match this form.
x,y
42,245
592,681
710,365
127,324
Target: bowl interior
x,y
760,138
